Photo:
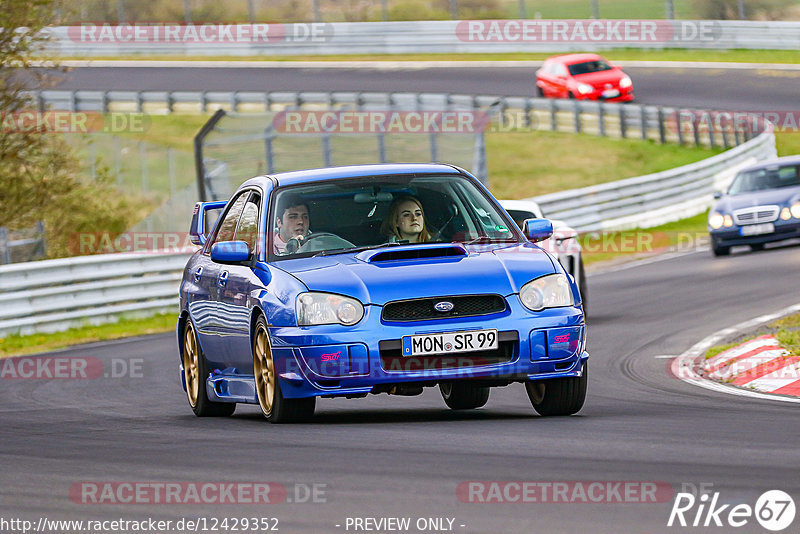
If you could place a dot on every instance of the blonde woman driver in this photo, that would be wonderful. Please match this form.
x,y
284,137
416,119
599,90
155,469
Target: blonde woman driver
x,y
406,221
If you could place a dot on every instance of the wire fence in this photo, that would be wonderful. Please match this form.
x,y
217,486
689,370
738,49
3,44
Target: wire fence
x,y
22,245
160,175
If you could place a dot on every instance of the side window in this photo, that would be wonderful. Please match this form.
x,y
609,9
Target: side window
x,y
227,229
247,230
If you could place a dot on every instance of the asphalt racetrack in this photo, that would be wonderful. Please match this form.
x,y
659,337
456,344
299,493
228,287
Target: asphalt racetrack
x,y
407,457
729,89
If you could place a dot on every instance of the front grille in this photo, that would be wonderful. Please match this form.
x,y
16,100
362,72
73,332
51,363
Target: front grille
x,y
756,215
423,309
392,359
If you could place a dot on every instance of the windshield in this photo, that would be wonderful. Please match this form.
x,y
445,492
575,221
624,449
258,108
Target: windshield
x,y
588,66
762,179
337,216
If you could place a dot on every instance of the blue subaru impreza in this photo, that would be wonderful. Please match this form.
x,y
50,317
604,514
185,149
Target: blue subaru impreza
x,y
349,281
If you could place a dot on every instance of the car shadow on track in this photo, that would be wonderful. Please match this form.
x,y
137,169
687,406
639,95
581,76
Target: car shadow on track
x,y
351,417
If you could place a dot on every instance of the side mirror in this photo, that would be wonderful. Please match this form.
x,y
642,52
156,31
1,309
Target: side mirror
x,y
197,230
230,252
537,229
717,195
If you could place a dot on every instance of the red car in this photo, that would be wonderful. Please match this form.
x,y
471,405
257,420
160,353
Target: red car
x,y
584,77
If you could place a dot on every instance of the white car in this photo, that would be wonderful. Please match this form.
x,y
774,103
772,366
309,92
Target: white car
x,y
563,245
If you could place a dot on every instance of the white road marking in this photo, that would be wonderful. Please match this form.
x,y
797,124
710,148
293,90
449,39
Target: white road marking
x,y
683,366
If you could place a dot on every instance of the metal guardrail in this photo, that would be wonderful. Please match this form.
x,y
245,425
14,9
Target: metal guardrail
x,y
658,198
53,295
661,124
56,294
424,37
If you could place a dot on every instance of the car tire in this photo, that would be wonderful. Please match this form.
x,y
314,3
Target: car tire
x,y
718,250
757,247
464,396
558,396
195,372
274,406
539,92
583,288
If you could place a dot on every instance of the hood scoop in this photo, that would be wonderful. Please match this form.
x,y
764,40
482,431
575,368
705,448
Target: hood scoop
x,y
413,252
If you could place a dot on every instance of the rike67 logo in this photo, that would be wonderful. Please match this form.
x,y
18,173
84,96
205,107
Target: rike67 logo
x,y
774,510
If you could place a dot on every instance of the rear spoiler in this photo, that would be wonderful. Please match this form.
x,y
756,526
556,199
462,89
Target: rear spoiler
x,y
197,231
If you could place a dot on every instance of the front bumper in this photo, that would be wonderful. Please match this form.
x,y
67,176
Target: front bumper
x,y
332,360
625,95
731,237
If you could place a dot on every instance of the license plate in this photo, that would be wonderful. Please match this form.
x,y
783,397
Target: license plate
x,y
610,93
757,229
450,343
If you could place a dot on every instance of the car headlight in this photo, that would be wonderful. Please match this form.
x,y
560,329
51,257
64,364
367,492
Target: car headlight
x,y
715,220
328,308
727,221
625,82
796,210
549,291
786,214
585,88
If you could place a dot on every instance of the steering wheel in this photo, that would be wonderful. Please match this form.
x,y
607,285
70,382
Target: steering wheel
x,y
318,242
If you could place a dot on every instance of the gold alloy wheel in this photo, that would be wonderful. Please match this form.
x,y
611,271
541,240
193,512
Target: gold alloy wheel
x,y
190,364
264,370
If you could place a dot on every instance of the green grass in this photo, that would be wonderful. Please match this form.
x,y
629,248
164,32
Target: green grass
x,y
790,340
16,345
622,54
713,351
791,321
608,9
785,330
684,234
526,164
788,143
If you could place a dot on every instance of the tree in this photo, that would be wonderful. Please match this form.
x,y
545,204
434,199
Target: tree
x,y
40,177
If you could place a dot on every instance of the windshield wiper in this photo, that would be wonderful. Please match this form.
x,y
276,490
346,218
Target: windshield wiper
x,y
487,239
356,249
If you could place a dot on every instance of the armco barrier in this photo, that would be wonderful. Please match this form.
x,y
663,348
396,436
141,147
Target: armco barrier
x,y
425,37
654,199
56,294
599,118
53,295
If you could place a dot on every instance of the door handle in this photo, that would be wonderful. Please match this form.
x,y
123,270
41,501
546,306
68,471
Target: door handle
x,y
223,278
197,273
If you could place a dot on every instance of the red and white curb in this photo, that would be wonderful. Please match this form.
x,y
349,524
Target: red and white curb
x,y
759,368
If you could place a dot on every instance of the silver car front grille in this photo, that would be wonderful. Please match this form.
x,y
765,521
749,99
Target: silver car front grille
x,y
756,215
